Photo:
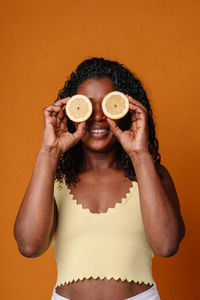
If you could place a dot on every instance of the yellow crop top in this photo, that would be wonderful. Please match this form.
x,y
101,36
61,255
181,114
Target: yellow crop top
x,y
105,245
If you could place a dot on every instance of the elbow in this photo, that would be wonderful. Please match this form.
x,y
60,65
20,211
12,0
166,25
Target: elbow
x,y
30,247
168,251
31,252
25,248
169,248
28,251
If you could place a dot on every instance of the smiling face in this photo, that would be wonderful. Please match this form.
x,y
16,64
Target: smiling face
x,y
98,138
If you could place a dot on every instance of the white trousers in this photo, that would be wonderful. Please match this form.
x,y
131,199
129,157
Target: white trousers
x,y
150,294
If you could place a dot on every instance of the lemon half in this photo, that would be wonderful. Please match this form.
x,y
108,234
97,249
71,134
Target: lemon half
x,y
115,105
79,108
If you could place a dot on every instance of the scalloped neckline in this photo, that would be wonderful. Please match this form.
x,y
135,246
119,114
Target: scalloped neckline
x,y
110,210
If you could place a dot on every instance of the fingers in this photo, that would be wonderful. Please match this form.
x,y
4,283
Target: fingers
x,y
115,129
61,102
55,113
137,111
80,132
48,111
136,103
48,114
134,119
57,106
61,117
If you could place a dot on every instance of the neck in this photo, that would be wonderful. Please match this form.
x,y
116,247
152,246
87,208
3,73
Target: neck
x,y
100,161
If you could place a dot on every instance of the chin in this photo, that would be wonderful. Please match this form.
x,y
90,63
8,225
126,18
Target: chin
x,y
100,145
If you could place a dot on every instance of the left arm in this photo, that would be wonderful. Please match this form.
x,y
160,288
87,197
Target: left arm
x,y
160,208
159,202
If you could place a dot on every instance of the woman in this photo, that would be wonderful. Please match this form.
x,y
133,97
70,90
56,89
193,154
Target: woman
x,y
115,204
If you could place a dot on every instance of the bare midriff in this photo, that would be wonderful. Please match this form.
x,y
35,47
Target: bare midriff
x,y
98,289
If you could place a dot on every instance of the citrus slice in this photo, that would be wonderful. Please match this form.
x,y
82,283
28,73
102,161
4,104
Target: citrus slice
x,y
79,108
115,105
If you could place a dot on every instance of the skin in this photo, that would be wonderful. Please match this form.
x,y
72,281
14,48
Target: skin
x,y
160,208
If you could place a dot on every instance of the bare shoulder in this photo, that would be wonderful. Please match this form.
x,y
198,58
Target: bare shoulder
x,y
168,184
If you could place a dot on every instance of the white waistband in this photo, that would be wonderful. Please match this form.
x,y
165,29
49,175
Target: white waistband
x,y
150,294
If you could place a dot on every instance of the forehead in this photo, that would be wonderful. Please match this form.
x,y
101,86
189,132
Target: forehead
x,y
95,88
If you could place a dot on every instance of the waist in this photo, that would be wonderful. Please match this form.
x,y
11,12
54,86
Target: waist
x,y
101,289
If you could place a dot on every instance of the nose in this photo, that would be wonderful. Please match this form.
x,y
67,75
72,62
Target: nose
x,y
97,113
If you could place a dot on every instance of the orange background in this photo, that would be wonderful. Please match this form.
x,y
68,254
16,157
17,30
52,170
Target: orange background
x,y
43,41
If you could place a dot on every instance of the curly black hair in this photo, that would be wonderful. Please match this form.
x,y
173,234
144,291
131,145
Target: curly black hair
x,y
123,80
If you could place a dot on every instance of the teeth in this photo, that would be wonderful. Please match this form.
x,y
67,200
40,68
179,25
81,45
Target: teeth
x,y
98,130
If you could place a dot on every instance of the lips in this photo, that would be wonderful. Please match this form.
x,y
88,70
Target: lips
x,y
98,131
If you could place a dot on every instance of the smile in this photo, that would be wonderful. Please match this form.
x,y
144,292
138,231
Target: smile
x,y
98,130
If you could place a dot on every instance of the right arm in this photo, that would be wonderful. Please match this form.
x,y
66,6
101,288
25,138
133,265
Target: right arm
x,y
37,216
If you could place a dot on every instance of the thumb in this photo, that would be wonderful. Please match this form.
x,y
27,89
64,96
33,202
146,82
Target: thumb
x,y
115,129
80,131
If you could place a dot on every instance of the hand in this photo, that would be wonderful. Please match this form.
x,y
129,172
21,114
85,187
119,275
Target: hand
x,y
134,140
56,134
